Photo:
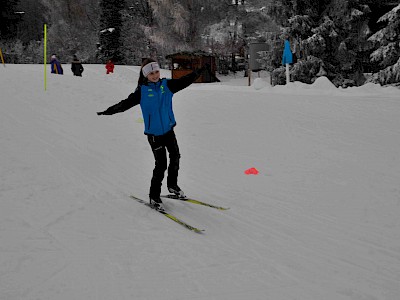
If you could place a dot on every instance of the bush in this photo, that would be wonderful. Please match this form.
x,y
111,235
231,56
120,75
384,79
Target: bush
x,y
306,70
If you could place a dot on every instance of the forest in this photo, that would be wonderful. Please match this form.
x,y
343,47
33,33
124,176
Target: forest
x,y
349,41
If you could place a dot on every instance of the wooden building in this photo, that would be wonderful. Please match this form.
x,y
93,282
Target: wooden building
x,y
183,63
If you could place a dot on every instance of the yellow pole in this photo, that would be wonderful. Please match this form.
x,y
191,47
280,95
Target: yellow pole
x,y
2,59
45,55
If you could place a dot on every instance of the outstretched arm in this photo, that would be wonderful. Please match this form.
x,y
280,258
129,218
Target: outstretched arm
x,y
175,85
132,100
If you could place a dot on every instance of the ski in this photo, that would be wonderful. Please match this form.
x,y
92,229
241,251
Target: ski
x,y
168,215
194,201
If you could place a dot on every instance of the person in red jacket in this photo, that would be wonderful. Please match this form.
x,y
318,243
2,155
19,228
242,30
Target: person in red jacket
x,y
110,66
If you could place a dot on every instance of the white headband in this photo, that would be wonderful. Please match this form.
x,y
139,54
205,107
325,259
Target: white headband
x,y
150,67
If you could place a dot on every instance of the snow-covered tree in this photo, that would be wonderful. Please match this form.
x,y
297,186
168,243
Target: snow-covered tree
x,y
333,31
110,30
9,18
138,19
180,24
388,53
72,28
33,16
173,23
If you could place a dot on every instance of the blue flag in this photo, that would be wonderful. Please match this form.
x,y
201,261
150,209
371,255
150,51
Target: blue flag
x,y
287,57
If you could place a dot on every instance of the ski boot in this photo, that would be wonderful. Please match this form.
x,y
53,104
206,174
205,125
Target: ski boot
x,y
177,192
156,203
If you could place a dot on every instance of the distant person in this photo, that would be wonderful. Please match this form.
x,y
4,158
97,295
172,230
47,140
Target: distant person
x,y
110,66
76,66
56,67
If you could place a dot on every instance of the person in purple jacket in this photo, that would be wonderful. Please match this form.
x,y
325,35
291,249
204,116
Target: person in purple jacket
x,y
155,98
56,67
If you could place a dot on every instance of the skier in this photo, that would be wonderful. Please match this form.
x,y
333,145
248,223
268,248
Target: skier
x,y
155,98
56,67
76,66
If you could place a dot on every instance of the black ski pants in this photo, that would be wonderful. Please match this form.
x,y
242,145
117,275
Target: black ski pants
x,y
160,145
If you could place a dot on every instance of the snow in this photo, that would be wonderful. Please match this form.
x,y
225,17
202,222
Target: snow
x,y
319,221
258,83
391,15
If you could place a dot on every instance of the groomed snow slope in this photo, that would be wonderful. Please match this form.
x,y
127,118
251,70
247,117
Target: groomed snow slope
x,y
320,220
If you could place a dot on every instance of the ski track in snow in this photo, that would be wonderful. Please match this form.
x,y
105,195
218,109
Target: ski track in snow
x,y
320,221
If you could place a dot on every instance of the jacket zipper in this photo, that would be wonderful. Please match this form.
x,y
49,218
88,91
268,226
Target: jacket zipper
x,y
160,106
148,127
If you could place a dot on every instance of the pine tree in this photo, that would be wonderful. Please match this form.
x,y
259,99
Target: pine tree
x,y
138,22
9,18
110,30
333,31
72,28
33,16
388,53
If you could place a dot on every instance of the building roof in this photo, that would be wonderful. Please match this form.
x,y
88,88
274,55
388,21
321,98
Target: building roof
x,y
187,54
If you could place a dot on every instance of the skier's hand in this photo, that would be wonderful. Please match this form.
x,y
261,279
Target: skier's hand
x,y
100,113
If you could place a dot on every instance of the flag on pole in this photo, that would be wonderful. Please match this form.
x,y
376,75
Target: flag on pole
x,y
287,57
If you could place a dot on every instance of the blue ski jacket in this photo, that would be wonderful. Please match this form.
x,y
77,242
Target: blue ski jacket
x,y
155,100
156,105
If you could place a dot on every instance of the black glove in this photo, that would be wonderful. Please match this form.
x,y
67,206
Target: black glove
x,y
100,113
